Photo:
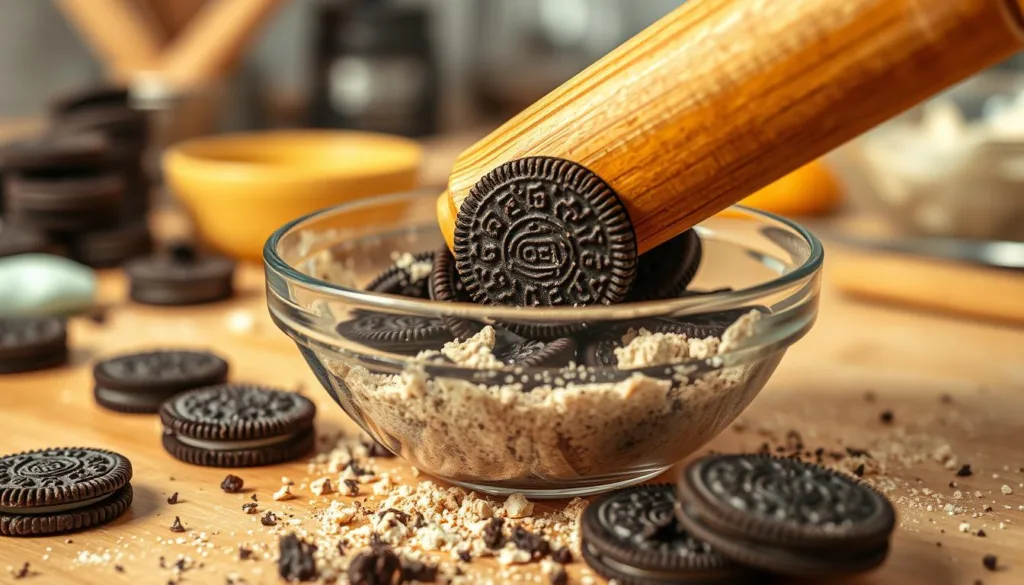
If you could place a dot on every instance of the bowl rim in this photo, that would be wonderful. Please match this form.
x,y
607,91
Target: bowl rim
x,y
636,310
182,152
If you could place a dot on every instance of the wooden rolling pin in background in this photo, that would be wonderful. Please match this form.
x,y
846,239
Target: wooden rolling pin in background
x,y
721,97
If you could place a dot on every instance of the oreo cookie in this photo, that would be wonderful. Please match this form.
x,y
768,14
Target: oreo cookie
x,y
31,343
180,277
141,382
446,286
237,425
111,246
58,490
532,353
89,98
80,151
408,278
397,333
543,231
632,536
15,239
664,272
784,515
63,200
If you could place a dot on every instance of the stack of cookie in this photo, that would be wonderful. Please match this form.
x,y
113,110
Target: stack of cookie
x,y
739,519
80,186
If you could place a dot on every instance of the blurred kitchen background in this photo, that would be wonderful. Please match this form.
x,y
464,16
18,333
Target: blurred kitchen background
x,y
933,195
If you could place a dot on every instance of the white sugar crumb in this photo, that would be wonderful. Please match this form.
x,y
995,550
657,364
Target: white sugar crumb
x,y
517,506
964,527
417,269
321,486
474,352
1007,490
482,509
511,555
284,493
285,480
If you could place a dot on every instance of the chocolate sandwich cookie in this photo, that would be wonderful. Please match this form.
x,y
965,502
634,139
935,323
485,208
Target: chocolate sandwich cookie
x,y
396,333
785,516
16,239
126,127
30,343
543,231
532,353
406,278
111,246
141,382
664,272
632,536
89,98
81,151
446,286
58,490
65,200
180,277
237,425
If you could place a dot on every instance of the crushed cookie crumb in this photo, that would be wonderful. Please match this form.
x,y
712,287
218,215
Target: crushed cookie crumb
x,y
176,525
250,507
351,487
965,470
990,562
269,519
1006,490
321,486
517,506
21,572
173,499
886,417
285,493
232,484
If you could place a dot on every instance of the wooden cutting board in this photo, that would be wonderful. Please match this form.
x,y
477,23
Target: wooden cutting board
x,y
907,360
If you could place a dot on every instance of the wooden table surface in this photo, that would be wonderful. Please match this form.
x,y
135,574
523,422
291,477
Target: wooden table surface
x,y
954,387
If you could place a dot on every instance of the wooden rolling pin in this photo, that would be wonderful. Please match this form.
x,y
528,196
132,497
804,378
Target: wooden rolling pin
x,y
721,97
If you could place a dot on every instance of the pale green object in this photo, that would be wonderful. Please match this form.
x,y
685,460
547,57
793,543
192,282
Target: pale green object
x,y
43,284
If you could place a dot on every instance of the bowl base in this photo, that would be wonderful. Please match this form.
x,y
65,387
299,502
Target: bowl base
x,y
555,493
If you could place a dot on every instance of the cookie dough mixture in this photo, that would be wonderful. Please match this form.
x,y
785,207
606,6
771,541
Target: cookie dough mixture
x,y
565,428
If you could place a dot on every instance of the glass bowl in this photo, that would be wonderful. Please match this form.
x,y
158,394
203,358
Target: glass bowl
x,y
540,431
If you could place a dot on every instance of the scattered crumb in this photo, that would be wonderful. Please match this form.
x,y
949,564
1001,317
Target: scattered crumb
x,y
1007,490
321,486
285,493
517,506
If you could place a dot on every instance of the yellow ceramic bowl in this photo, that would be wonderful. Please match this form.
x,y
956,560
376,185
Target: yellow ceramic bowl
x,y
239,188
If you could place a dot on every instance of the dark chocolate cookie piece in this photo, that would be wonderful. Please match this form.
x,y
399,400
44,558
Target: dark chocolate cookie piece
x,y
446,286
237,425
530,353
57,490
398,333
141,382
542,231
632,536
31,343
784,515
181,276
664,272
409,277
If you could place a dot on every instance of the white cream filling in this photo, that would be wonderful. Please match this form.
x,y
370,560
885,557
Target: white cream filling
x,y
51,509
231,445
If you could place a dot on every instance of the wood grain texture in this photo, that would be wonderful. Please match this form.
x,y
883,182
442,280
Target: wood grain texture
x,y
907,359
721,97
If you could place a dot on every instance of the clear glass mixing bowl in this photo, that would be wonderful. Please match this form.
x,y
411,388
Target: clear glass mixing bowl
x,y
540,431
